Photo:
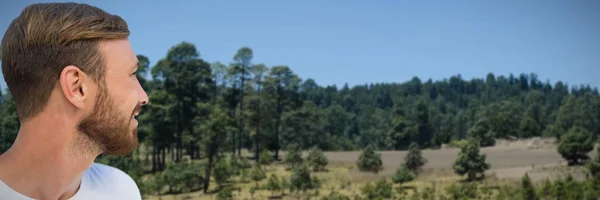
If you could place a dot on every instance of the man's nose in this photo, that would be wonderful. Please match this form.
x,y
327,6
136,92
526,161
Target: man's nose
x,y
144,97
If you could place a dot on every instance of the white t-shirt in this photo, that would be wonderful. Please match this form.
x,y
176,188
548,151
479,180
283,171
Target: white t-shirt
x,y
98,182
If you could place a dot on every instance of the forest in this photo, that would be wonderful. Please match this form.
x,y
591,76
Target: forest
x,y
201,110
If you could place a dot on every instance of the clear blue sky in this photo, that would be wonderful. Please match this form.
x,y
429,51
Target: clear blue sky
x,y
357,42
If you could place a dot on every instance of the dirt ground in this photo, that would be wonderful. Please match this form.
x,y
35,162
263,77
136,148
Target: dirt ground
x,y
509,160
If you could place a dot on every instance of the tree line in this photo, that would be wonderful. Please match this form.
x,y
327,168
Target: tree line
x,y
199,109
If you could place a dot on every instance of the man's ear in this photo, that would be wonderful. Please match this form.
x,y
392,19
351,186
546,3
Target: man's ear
x,y
72,84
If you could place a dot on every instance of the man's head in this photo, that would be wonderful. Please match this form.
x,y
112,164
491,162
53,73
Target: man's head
x,y
74,61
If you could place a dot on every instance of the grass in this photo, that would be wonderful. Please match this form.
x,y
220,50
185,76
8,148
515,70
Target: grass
x,y
509,164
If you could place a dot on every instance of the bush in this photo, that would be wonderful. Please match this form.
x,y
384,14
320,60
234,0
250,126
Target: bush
x,y
293,156
383,188
369,160
273,184
265,157
594,166
403,175
225,193
221,171
181,177
302,180
257,174
317,160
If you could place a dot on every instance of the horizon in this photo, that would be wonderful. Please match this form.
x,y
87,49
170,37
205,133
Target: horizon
x,y
557,40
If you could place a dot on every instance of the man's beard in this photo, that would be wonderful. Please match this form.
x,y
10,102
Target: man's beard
x,y
108,129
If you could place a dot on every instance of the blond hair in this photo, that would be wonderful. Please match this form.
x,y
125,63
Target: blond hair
x,y
45,38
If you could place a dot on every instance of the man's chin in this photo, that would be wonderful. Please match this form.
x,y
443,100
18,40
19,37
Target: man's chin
x,y
124,148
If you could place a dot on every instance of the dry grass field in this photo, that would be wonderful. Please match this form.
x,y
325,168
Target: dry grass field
x,y
509,162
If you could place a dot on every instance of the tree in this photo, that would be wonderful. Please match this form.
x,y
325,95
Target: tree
x,y
401,130
414,160
257,174
594,165
470,161
403,174
301,179
527,190
216,129
221,171
241,63
282,85
317,160
424,127
575,145
273,184
293,156
188,78
265,158
255,116
369,160
483,133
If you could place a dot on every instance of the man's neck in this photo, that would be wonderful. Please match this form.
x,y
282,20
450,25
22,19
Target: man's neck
x,y
46,162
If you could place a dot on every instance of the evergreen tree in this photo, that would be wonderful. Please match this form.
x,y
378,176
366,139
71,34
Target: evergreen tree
x,y
527,189
403,174
369,160
317,160
575,145
414,160
470,161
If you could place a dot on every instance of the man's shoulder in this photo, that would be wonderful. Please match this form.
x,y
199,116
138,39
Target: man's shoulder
x,y
102,178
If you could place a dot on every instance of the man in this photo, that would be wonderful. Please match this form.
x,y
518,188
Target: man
x,y
72,73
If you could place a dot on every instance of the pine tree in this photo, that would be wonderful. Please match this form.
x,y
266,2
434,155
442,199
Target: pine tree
x,y
575,145
527,191
317,160
470,161
414,160
403,174
369,160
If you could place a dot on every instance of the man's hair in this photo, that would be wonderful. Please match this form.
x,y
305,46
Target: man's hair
x,y
45,38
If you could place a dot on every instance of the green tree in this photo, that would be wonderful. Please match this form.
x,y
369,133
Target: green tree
x,y
482,131
215,130
317,160
301,179
403,175
594,165
369,160
265,158
470,161
281,84
273,184
401,129
414,160
293,156
424,126
256,115
529,127
575,145
9,123
527,191
242,62
384,188
221,171
257,174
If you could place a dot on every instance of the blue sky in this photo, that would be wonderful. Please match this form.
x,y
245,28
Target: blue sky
x,y
357,42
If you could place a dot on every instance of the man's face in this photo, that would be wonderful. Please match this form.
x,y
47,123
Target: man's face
x,y
111,123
